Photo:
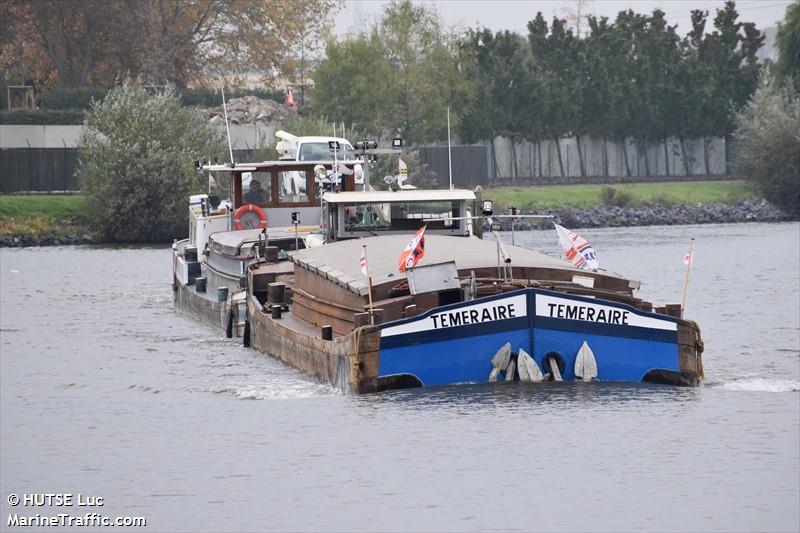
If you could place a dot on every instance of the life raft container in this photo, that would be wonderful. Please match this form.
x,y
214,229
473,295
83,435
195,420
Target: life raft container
x,y
246,208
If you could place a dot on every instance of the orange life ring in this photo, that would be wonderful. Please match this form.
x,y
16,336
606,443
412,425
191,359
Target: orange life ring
x,y
246,208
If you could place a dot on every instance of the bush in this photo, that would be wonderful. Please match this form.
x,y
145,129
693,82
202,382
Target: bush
x,y
615,197
136,163
768,144
79,98
46,116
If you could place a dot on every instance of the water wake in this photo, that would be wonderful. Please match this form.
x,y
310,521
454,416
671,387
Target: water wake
x,y
762,385
307,390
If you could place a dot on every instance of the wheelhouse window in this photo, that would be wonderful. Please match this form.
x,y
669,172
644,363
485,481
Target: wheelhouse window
x,y
257,188
293,186
321,152
402,216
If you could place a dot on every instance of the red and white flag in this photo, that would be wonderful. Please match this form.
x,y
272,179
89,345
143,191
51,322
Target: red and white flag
x,y
289,100
413,251
576,250
689,257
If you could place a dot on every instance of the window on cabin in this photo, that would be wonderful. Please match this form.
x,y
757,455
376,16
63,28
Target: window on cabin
x,y
437,215
320,151
257,188
402,216
292,184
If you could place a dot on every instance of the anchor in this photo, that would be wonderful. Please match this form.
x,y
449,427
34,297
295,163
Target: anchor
x,y
585,363
555,372
528,369
500,362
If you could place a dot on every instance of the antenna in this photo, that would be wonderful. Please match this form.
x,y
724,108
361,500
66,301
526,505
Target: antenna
x,y
335,150
227,127
449,154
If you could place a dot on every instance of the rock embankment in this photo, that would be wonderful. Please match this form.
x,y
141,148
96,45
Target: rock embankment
x,y
18,241
250,110
656,214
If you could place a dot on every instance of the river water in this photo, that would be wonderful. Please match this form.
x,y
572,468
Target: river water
x,y
106,392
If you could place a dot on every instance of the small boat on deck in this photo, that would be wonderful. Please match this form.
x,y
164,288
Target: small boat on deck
x,y
473,311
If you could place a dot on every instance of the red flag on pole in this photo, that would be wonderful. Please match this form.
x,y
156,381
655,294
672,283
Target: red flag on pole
x,y
290,99
413,251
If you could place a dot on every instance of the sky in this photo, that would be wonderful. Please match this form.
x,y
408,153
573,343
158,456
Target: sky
x,y
514,14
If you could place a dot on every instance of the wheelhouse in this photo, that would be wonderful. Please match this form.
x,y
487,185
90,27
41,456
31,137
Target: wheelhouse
x,y
350,215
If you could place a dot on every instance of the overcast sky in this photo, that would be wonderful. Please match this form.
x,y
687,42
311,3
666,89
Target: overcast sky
x,y
514,14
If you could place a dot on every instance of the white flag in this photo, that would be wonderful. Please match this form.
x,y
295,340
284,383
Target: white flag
x,y
402,173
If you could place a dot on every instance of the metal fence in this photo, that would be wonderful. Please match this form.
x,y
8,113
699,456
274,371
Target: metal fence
x,y
38,169
501,162
49,169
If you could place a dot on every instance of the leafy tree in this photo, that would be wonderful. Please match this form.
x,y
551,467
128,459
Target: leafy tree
x,y
60,39
423,71
178,41
503,101
399,79
768,144
135,163
788,43
730,70
557,63
353,84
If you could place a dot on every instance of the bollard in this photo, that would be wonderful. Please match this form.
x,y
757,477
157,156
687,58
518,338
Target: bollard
x,y
271,254
360,319
276,292
327,333
190,254
222,294
200,284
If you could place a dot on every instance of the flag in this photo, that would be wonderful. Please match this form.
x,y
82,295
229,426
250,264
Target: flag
x,y
577,251
402,173
413,251
364,267
687,259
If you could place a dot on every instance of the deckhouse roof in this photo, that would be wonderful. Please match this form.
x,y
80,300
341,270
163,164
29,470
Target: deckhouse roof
x,y
339,261
411,195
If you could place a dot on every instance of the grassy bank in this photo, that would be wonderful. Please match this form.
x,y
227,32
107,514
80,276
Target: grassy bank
x,y
65,215
46,214
627,195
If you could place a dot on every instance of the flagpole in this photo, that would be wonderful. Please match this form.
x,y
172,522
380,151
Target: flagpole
x,y
449,154
686,276
369,282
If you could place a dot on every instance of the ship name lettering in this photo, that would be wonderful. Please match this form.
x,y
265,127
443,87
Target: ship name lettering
x,y
466,317
591,314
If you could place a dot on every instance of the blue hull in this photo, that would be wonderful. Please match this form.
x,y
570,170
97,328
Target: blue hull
x,y
455,343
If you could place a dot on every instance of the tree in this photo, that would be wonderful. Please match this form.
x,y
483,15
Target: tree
x,y
503,100
135,163
68,38
788,43
557,63
177,41
399,79
353,84
768,144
